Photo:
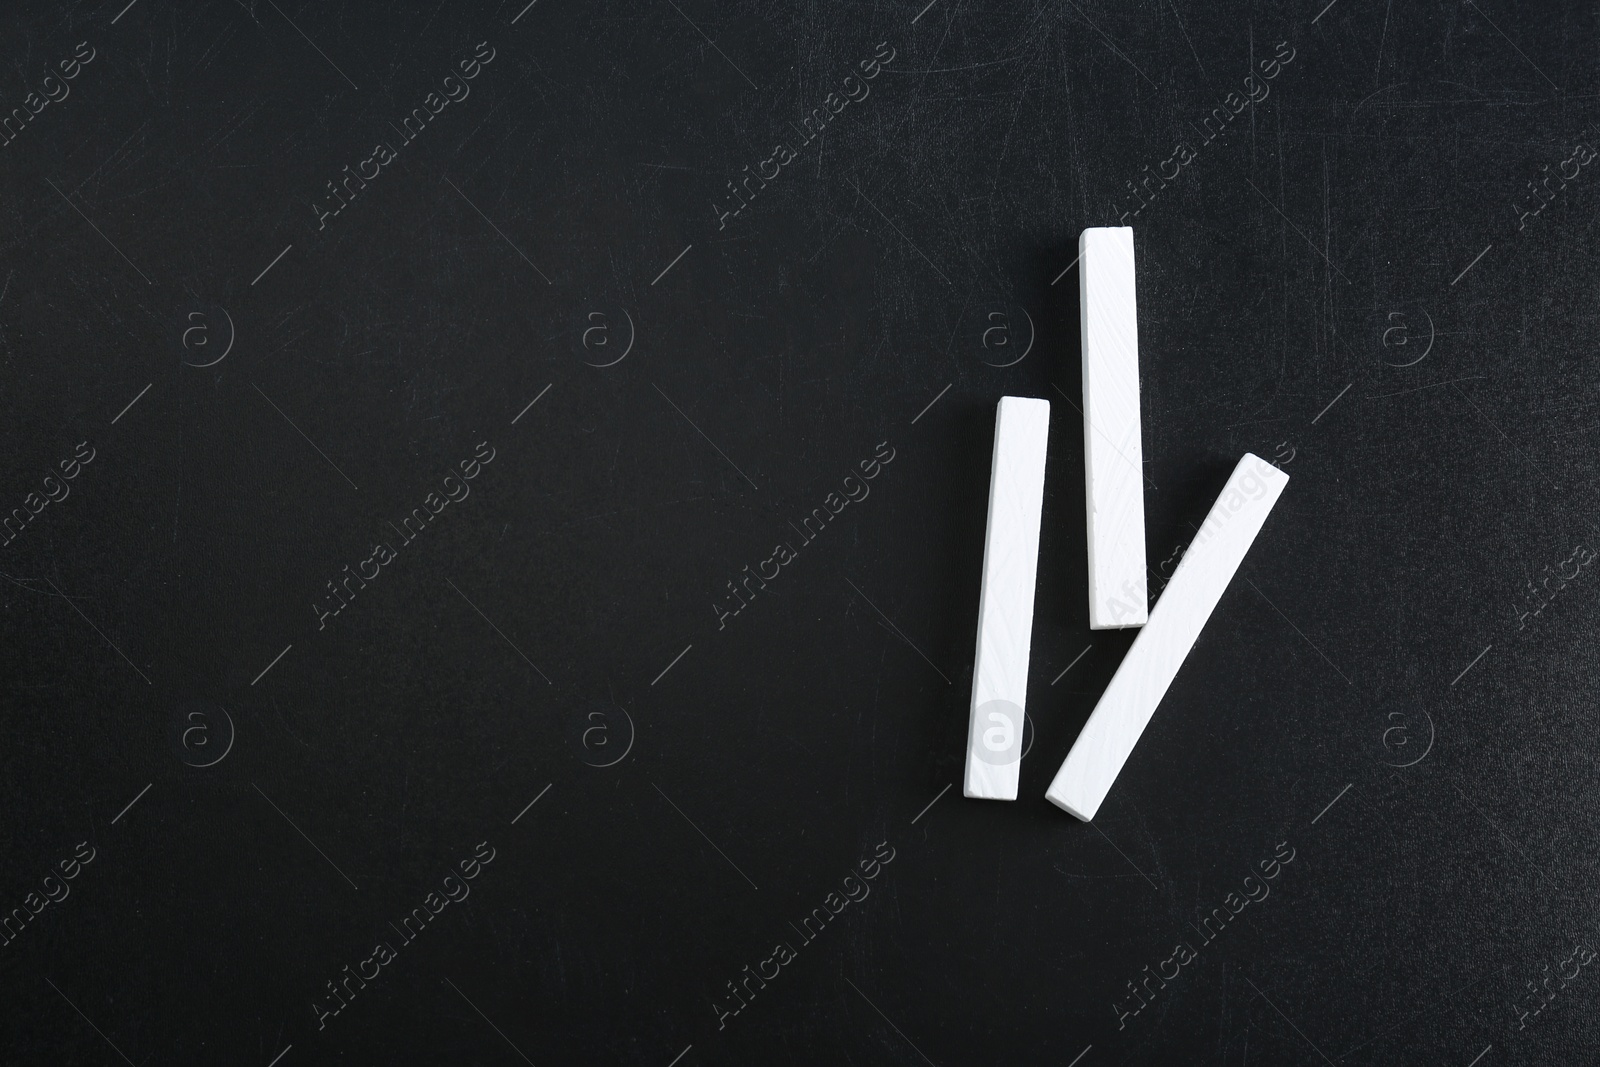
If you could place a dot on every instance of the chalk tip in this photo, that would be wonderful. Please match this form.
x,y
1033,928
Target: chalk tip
x,y
1066,805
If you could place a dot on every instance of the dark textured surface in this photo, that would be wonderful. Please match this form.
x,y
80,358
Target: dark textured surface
x,y
165,612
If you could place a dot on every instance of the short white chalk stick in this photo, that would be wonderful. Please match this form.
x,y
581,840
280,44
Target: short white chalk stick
x,y
1151,663
1005,604
1113,457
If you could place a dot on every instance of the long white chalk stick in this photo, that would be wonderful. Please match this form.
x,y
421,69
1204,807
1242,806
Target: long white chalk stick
x,y
1150,665
1005,605
1113,457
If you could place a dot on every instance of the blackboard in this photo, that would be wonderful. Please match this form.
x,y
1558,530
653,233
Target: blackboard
x,y
448,616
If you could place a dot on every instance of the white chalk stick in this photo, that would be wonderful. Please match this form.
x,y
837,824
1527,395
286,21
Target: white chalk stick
x,y
1113,457
1151,663
1005,604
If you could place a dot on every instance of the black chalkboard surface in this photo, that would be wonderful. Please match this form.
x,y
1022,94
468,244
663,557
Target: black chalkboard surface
x,y
448,616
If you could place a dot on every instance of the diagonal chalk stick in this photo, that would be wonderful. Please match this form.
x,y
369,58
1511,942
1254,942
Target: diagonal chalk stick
x,y
1113,456
1187,602
1005,605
